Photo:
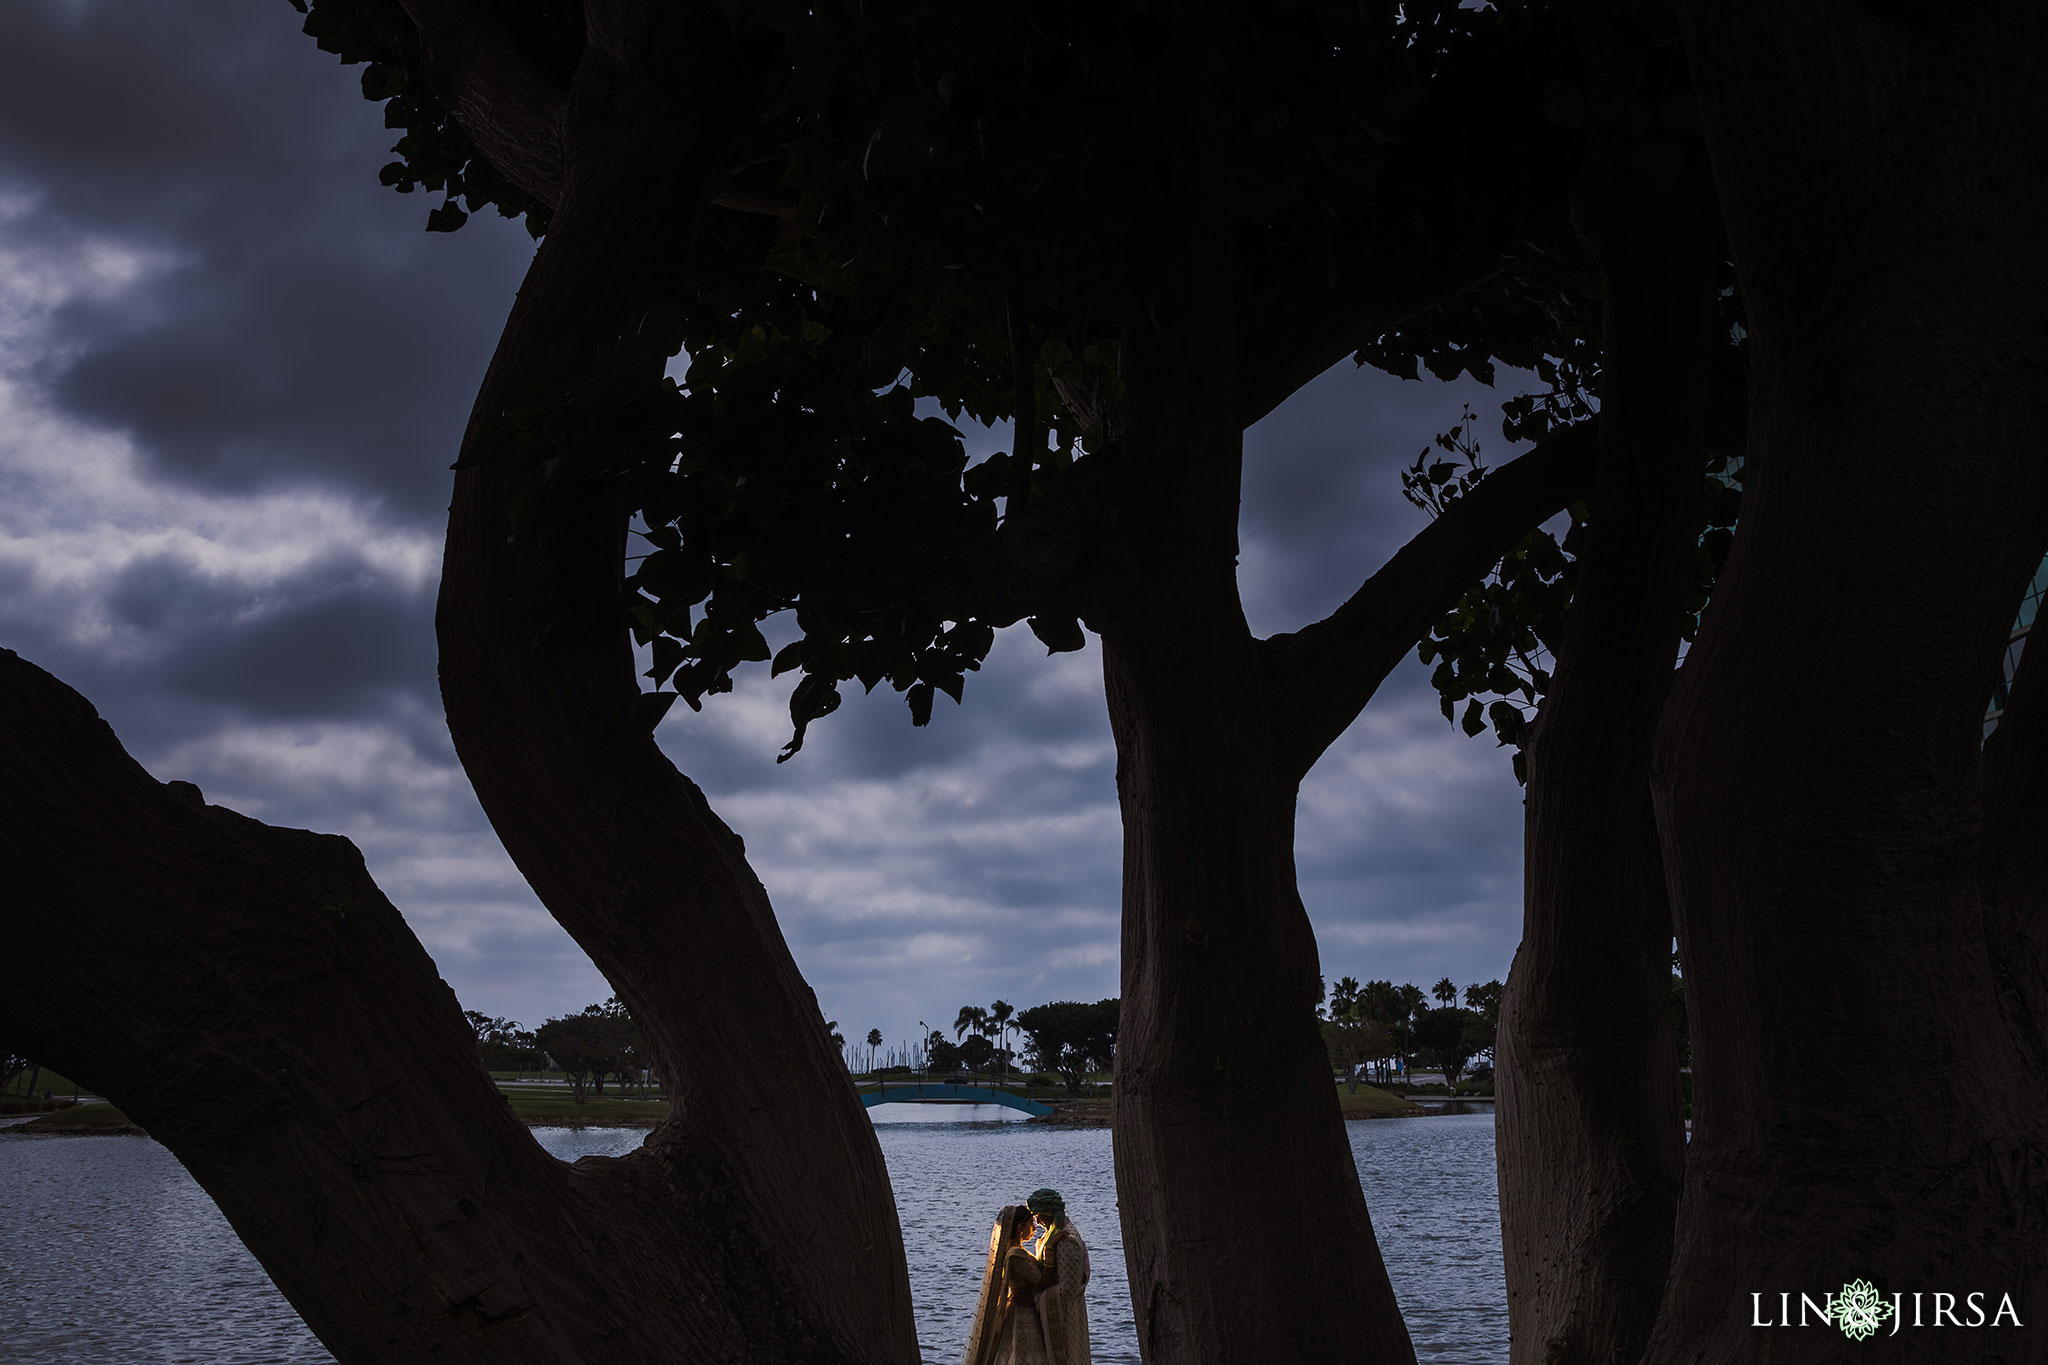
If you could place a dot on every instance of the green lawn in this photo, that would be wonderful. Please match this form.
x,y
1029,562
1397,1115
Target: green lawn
x,y
82,1118
59,1086
551,1110
1369,1102
556,1106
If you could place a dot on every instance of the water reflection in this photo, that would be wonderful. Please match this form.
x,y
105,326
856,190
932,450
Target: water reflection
x,y
950,1177
110,1253
1429,1185
947,1113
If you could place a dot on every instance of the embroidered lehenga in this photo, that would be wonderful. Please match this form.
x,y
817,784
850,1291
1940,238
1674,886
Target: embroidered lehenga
x,y
1033,1308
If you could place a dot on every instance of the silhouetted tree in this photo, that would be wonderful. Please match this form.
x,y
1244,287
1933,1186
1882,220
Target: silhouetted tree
x,y
1447,1037
977,1052
1352,1041
1485,999
585,1047
1071,1039
941,1055
1131,233
1000,1014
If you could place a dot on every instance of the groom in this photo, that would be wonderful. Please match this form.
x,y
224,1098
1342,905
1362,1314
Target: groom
x,y
1052,1278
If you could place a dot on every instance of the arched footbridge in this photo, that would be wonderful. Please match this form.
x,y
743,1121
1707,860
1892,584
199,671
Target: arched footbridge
x,y
946,1092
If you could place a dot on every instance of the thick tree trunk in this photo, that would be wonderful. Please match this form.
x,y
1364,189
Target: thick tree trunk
x,y
1863,1106
1245,1228
261,1008
1589,1135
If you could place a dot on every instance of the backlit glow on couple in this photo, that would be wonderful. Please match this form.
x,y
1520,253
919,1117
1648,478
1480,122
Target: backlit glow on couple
x,y
1033,1308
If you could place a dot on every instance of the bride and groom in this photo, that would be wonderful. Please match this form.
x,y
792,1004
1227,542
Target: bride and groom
x,y
1032,1309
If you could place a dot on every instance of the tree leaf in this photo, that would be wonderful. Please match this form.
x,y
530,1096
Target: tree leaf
x,y
668,656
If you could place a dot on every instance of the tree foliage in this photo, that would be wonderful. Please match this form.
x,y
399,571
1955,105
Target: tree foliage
x,y
1493,652
1353,1041
1449,1037
1071,1039
600,1041
940,1053
903,240
503,1044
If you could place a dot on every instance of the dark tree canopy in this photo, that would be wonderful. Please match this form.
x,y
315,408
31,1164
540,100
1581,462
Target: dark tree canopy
x,y
1450,1037
599,1041
958,210
1071,1039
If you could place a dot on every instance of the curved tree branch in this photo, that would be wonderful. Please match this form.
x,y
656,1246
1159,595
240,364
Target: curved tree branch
x,y
1322,676
544,707
262,1009
511,109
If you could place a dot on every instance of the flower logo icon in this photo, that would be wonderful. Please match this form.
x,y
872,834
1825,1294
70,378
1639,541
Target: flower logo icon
x,y
1859,1310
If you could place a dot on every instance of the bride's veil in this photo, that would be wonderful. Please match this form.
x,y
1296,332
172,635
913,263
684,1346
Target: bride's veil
x,y
986,1332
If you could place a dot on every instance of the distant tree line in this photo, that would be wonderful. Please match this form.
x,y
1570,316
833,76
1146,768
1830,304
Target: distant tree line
x,y
1062,1038
1370,1028
596,1044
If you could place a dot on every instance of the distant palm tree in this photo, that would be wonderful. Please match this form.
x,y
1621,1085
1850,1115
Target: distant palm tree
x,y
999,1019
1446,994
972,1018
874,1041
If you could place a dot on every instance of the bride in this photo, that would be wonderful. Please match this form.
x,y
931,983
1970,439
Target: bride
x,y
1032,1309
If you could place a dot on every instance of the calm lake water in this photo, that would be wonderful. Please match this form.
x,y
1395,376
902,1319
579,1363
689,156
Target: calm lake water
x,y
110,1253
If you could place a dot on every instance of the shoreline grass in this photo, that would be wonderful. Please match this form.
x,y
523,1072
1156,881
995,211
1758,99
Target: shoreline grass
x,y
560,1110
82,1120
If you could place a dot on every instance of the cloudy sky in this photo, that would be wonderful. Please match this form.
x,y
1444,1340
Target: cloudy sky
x,y
233,371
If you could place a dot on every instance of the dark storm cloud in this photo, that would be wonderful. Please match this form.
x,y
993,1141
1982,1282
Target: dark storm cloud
x,y
240,369
361,387
302,328
336,640
1322,485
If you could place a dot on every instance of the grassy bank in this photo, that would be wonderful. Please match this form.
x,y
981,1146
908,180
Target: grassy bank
x,y
1048,1093
1370,1102
536,1111
558,1109
81,1119
47,1081
1092,1110
539,1110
